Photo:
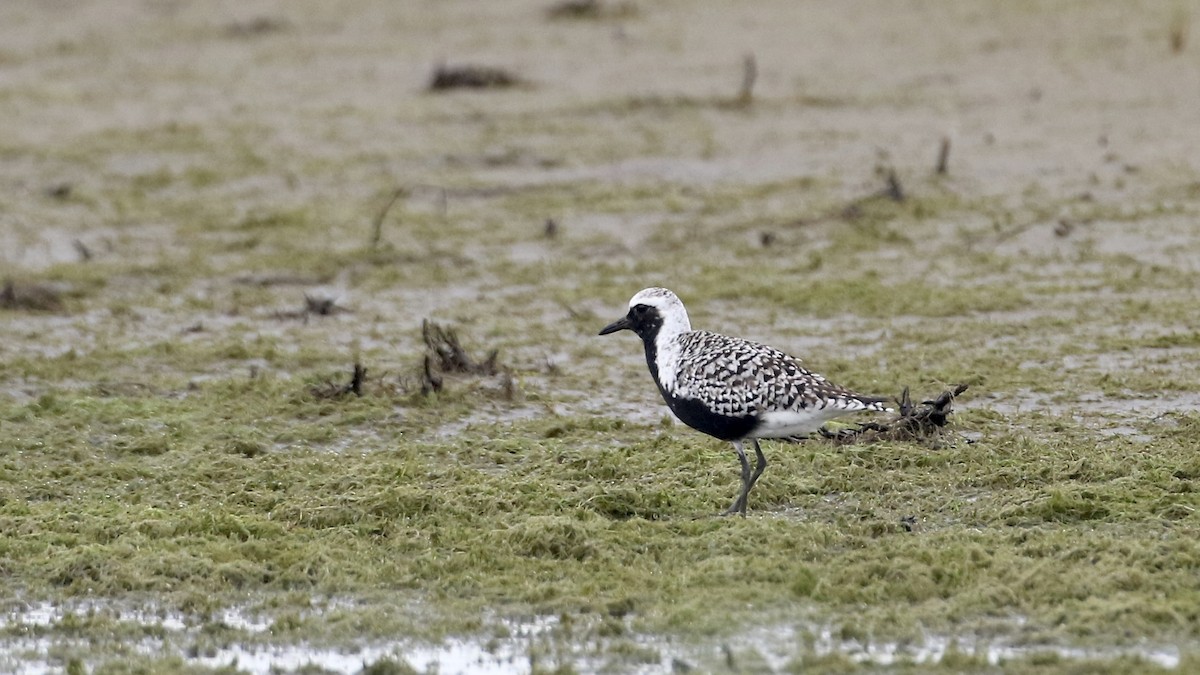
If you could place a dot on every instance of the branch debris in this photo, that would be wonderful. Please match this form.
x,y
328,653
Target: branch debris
x,y
451,357
444,354
322,306
314,305
30,297
255,27
471,77
431,381
891,191
332,390
917,423
591,9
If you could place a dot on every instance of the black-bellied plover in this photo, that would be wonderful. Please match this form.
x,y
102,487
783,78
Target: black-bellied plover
x,y
730,388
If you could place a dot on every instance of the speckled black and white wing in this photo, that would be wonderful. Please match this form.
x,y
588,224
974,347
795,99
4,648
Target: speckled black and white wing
x,y
733,377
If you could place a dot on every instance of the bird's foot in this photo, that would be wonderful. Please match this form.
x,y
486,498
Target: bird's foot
x,y
738,507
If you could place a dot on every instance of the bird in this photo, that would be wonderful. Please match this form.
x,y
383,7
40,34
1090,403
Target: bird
x,y
730,388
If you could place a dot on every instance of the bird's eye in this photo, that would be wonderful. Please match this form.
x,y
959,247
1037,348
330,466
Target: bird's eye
x,y
640,310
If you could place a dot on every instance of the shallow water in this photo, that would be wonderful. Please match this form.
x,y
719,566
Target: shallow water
x,y
528,640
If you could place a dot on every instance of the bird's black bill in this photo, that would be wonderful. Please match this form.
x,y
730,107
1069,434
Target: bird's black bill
x,y
620,324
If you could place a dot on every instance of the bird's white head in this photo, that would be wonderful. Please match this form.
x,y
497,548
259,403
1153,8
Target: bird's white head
x,y
655,314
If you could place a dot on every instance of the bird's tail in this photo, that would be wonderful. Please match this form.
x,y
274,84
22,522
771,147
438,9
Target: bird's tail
x,y
876,403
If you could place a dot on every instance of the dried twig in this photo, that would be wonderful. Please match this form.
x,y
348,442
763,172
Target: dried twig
x,y
85,253
943,160
749,77
892,191
403,191
377,225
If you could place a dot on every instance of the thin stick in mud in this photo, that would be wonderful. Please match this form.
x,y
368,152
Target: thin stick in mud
x,y
377,226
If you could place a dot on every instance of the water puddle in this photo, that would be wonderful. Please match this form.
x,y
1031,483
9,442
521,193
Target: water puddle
x,y
30,646
933,648
467,655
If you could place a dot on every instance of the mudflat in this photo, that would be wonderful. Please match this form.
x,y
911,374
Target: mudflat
x,y
210,213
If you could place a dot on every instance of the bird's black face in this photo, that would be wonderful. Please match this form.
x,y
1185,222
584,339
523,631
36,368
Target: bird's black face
x,y
641,319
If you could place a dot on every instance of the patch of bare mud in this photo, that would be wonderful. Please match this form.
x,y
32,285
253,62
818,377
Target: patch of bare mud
x,y
1110,415
1173,242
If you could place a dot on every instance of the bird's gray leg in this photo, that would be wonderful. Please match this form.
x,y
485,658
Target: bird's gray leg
x,y
739,504
760,464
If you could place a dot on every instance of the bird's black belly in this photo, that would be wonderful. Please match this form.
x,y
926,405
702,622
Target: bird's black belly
x,y
693,412
699,417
